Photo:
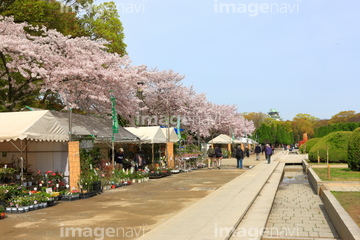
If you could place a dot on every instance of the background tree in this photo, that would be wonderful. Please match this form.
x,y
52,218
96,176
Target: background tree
x,y
45,13
342,117
303,123
5,4
256,117
103,22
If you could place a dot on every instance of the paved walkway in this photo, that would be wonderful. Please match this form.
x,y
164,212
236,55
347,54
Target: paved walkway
x,y
247,208
217,215
297,211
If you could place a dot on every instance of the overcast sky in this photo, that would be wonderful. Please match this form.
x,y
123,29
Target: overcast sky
x,y
294,56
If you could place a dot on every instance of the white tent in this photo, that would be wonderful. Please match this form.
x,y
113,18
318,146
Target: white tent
x,y
34,125
224,139
173,136
248,140
148,134
35,136
153,134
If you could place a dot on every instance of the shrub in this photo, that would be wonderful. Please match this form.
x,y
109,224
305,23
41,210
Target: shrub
x,y
354,150
336,142
305,148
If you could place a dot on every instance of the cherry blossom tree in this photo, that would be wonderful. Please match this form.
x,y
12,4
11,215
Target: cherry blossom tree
x,y
166,99
78,69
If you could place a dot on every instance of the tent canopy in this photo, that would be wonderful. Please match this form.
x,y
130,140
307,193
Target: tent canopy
x,y
45,125
223,139
153,134
35,125
98,128
173,136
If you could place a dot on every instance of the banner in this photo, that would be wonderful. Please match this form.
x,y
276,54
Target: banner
x,y
115,123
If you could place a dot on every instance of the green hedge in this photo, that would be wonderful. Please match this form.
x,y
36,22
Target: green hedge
x,y
354,150
309,144
337,143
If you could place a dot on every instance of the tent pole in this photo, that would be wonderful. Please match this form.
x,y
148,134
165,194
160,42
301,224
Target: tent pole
x,y
152,153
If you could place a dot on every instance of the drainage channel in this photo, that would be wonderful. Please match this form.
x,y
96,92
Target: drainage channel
x,y
297,212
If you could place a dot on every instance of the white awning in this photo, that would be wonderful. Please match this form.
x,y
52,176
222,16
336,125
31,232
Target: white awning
x,y
32,125
173,136
223,139
152,134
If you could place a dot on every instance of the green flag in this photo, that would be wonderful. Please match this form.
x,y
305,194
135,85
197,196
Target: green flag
x,y
115,124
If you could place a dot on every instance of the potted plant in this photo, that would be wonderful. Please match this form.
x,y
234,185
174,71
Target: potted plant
x,y
2,212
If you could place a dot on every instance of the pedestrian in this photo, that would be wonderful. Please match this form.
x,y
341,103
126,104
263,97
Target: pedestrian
x,y
211,155
119,159
218,156
239,154
268,153
257,152
139,160
247,152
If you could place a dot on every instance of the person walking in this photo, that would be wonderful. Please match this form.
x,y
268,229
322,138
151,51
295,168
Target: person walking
x,y
247,152
139,160
119,158
211,155
268,153
239,154
257,152
218,156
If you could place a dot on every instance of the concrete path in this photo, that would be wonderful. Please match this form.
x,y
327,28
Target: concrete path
x,y
343,186
217,215
253,207
297,211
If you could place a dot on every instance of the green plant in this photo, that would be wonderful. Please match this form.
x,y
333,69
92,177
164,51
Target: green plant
x,y
305,148
337,145
2,209
354,150
6,172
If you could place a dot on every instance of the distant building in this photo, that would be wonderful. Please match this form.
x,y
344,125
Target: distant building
x,y
273,113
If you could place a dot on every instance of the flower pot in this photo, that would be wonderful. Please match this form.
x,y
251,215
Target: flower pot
x,y
2,215
8,209
29,183
113,186
18,176
20,210
26,208
24,184
14,210
31,207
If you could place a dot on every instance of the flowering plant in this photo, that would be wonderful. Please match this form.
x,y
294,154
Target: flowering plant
x,y
54,179
72,192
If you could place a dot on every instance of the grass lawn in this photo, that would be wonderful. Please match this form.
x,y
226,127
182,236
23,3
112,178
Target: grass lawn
x,y
350,201
338,174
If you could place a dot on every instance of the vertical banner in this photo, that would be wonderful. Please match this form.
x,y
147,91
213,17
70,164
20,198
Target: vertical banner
x,y
115,127
115,124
